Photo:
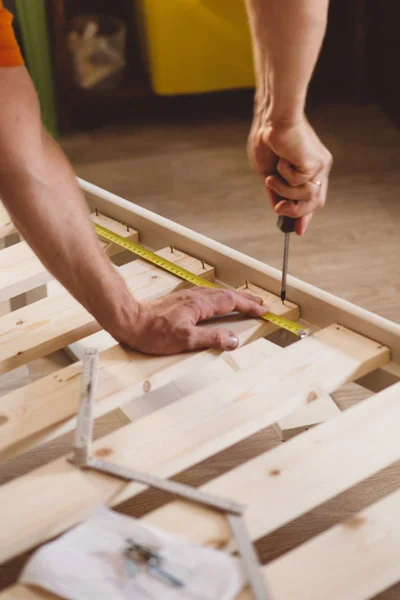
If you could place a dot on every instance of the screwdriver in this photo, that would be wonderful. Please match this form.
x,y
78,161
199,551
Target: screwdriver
x,y
287,226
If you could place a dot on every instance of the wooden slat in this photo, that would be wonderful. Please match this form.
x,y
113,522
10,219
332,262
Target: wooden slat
x,y
355,560
37,413
318,307
59,320
183,434
126,232
323,409
35,410
6,225
294,478
21,270
197,374
186,382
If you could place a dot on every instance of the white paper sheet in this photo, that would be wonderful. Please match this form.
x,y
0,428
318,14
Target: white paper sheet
x,y
87,563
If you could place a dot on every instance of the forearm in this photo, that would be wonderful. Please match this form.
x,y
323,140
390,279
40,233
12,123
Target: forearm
x,y
40,191
50,212
287,37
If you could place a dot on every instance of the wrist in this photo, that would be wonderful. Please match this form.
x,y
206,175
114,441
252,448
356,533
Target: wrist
x,y
278,109
115,309
277,115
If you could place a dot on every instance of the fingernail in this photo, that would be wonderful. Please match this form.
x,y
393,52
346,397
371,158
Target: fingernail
x,y
233,342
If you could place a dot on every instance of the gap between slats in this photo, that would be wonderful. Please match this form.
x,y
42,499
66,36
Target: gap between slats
x,y
30,410
56,321
21,271
185,433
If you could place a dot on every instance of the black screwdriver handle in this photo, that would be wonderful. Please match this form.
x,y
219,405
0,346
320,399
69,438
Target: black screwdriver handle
x,y
286,224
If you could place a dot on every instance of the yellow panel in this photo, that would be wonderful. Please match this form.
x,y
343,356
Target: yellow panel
x,y
196,46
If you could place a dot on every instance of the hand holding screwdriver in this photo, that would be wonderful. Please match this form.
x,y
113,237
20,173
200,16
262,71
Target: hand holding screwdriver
x,y
291,160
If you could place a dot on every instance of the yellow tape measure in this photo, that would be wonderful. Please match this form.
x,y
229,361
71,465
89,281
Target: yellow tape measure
x,y
182,273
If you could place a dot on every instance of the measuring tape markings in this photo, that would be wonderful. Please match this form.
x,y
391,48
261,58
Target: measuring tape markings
x,y
182,273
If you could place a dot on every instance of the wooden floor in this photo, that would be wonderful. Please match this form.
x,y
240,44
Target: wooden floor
x,y
197,174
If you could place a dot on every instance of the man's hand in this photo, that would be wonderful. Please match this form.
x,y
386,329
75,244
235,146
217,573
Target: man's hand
x,y
169,325
295,166
287,37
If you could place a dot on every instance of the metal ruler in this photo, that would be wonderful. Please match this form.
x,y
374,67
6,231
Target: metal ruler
x,y
186,275
84,429
82,458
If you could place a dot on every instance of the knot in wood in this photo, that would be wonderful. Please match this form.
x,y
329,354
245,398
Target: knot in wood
x,y
312,396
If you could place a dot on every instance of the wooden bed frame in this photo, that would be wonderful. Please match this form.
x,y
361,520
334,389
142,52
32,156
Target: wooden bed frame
x,y
220,400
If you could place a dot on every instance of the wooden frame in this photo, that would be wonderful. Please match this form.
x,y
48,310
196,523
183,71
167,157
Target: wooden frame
x,y
186,409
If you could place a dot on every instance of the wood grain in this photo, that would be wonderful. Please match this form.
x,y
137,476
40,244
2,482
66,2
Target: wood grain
x,y
322,409
55,322
184,433
116,227
21,270
354,560
37,413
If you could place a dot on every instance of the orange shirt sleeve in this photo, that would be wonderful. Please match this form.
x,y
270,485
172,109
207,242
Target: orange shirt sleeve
x,y
10,54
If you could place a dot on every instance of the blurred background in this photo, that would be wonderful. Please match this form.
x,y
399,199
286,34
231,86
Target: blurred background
x,y
152,99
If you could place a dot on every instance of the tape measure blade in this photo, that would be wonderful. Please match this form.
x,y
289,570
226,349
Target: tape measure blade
x,y
153,258
186,275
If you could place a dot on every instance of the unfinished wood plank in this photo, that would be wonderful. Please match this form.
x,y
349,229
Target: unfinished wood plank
x,y
22,271
322,409
200,374
319,411
355,560
6,225
37,412
102,340
56,321
31,421
294,478
274,303
116,227
191,381
318,307
38,293
8,305
184,433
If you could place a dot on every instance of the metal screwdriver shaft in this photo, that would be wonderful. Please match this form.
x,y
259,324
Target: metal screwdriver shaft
x,y
285,266
287,226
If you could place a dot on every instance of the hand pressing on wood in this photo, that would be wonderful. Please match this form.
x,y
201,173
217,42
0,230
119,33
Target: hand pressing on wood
x,y
295,166
170,325
42,196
